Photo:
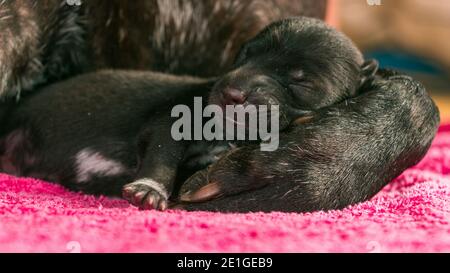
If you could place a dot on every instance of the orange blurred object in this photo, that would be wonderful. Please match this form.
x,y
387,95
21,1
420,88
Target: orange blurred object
x,y
332,13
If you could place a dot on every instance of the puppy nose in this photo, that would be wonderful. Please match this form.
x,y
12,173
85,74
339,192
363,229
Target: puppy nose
x,y
233,96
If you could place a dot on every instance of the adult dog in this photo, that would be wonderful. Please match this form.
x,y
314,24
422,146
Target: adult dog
x,y
42,41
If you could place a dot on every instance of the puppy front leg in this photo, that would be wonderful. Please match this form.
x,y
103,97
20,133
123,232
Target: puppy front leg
x,y
160,156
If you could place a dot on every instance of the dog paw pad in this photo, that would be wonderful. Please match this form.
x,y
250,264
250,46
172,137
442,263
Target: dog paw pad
x,y
146,194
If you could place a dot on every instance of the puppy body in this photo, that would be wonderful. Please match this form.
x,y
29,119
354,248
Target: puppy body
x,y
339,156
105,130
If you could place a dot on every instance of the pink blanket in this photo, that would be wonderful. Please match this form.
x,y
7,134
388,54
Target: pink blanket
x,y
409,215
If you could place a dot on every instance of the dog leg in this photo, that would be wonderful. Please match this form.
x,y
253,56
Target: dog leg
x,y
159,160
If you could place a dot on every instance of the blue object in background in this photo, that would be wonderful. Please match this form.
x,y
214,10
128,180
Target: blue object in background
x,y
404,61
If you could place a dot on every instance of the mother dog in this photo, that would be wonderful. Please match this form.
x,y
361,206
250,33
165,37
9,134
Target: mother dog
x,y
47,40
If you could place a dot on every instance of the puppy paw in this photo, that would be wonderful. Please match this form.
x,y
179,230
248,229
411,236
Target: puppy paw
x,y
146,194
194,183
199,188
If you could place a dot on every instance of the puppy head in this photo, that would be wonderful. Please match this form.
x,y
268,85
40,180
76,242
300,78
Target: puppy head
x,y
300,64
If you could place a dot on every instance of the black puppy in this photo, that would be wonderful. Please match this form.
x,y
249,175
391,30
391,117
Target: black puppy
x,y
331,157
335,157
100,132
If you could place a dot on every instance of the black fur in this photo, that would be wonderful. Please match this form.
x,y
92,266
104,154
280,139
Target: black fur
x,y
298,64
40,42
108,116
124,116
330,156
340,155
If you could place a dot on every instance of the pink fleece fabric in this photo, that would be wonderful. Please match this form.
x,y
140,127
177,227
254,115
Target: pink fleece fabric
x,y
409,215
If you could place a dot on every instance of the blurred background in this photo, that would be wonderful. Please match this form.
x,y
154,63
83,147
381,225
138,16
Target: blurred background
x,y
408,35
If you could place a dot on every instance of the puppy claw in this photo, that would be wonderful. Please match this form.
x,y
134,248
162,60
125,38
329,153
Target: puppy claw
x,y
195,182
163,204
139,197
144,196
149,202
127,193
206,193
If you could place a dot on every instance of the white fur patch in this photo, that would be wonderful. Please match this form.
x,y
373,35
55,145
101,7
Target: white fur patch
x,y
154,185
90,163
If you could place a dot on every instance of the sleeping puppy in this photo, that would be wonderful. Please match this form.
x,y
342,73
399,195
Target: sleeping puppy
x,y
334,157
98,132
110,132
336,154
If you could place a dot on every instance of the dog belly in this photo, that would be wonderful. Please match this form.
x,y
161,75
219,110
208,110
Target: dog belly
x,y
100,167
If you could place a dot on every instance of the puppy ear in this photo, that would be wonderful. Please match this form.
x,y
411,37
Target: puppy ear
x,y
242,55
370,67
248,50
368,71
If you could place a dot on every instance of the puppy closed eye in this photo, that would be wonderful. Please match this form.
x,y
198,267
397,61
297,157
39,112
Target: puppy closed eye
x,y
302,89
298,82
